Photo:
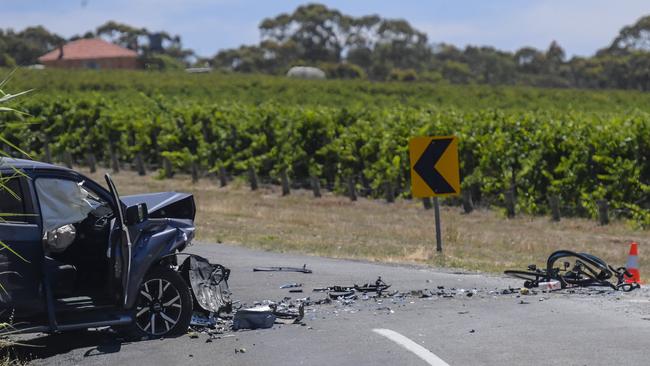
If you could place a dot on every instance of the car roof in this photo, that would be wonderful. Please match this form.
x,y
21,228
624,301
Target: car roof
x,y
24,164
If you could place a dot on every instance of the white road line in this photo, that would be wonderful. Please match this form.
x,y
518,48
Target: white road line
x,y
419,351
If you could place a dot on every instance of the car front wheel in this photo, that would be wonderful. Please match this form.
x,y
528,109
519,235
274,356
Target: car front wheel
x,y
164,305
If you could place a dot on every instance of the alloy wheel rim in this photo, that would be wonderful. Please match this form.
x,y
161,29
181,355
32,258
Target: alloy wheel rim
x,y
158,307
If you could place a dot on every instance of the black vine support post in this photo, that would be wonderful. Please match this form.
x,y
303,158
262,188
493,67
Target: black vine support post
x,y
139,164
603,212
92,162
286,189
315,186
47,155
426,202
67,159
168,168
352,189
223,176
554,205
510,203
115,164
252,178
390,192
195,172
468,203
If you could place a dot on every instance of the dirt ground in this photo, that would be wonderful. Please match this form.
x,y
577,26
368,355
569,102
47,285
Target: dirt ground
x,y
334,226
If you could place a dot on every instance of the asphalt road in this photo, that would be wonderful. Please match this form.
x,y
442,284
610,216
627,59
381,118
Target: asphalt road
x,y
488,328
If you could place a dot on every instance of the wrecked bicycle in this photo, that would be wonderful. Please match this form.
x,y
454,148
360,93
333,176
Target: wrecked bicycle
x,y
572,269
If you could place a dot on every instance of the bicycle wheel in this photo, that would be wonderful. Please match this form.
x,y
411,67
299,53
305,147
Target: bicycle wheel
x,y
587,269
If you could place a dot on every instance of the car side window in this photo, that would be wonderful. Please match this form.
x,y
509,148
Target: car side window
x,y
15,202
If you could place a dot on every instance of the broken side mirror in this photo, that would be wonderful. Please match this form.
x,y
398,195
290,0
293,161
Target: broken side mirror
x,y
136,214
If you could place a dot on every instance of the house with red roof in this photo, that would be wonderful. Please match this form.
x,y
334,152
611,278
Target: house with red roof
x,y
92,53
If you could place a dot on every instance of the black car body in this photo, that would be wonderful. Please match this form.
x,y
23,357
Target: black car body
x,y
80,256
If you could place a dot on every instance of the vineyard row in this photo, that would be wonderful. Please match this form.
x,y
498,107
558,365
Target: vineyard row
x,y
579,158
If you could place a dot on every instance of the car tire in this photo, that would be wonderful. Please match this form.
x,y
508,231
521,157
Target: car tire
x,y
166,314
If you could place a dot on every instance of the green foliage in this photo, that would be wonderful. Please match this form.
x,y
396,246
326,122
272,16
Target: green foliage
x,y
342,71
162,62
24,47
7,61
403,75
580,145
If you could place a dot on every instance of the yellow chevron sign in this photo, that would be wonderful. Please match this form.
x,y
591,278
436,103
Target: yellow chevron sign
x,y
434,166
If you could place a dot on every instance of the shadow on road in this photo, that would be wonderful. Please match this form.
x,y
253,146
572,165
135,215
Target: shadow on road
x,y
101,341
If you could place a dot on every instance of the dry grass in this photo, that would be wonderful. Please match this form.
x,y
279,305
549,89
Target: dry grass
x,y
402,232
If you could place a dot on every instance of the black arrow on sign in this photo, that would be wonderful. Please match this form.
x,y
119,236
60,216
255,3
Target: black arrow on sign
x,y
425,167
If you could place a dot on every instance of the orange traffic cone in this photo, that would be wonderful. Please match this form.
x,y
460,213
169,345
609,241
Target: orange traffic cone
x,y
633,264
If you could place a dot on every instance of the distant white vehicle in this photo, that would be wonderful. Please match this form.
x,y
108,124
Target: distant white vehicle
x,y
306,72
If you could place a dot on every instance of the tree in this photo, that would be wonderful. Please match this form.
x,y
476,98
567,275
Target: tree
x,y
401,45
529,60
317,31
148,44
489,65
24,48
554,58
361,40
632,38
122,34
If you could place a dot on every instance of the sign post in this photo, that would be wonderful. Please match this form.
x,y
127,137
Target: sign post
x,y
436,208
434,171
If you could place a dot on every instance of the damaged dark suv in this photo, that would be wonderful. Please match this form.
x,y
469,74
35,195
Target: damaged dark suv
x,y
81,256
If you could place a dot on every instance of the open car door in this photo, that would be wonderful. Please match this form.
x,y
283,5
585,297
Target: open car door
x,y
124,239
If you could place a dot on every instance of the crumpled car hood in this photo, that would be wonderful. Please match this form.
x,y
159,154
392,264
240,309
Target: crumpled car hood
x,y
165,204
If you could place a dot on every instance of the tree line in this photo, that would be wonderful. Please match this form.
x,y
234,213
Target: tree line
x,y
370,47
392,49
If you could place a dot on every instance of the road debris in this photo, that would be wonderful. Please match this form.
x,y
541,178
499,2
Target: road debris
x,y
343,300
209,283
349,292
288,311
259,317
201,319
574,270
550,285
379,286
302,269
